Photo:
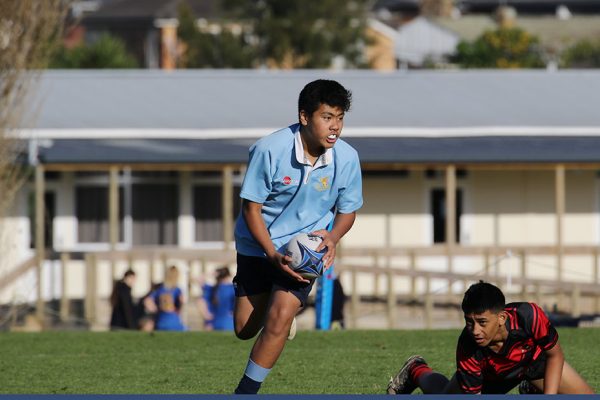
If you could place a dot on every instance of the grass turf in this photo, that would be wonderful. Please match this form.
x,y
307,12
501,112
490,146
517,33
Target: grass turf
x,y
338,362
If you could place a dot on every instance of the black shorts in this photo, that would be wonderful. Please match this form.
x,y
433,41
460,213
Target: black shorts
x,y
533,372
256,275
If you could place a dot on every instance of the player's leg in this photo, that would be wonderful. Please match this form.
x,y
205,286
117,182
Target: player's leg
x,y
573,383
570,382
416,373
270,342
436,383
287,298
269,345
252,292
249,315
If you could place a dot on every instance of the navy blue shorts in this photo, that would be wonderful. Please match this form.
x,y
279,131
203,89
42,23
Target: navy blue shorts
x,y
256,275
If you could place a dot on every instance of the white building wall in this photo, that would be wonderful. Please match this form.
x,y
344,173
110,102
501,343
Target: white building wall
x,y
500,208
581,222
393,205
14,244
186,217
65,223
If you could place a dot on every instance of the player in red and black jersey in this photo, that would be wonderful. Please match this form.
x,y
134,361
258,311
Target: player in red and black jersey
x,y
500,347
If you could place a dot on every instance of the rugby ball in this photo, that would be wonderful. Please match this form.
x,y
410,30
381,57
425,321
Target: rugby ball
x,y
306,261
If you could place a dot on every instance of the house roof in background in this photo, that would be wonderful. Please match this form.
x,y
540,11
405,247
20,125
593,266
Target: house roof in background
x,y
488,6
258,100
468,27
409,150
552,32
149,9
421,39
529,6
207,116
396,5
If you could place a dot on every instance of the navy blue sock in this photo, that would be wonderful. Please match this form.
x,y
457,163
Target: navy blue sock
x,y
247,386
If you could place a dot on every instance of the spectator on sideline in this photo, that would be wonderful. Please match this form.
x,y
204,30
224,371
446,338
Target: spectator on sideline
x,y
216,303
123,315
166,301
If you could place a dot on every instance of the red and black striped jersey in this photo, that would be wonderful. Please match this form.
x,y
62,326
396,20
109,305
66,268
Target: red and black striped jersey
x,y
530,333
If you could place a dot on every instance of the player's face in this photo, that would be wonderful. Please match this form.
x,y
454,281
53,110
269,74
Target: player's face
x,y
129,280
486,327
323,128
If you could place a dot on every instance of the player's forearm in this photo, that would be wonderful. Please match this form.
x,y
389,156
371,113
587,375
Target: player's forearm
x,y
150,305
257,227
341,225
554,366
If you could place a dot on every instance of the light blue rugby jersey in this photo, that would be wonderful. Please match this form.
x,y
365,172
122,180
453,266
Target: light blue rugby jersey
x,y
296,196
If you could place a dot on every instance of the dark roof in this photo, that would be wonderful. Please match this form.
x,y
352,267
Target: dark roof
x,y
419,150
479,149
397,5
127,10
529,6
489,6
138,151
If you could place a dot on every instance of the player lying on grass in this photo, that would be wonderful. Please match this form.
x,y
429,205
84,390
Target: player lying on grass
x,y
501,346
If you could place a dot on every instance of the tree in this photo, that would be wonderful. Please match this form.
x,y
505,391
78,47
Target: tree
x,y
583,54
222,49
300,34
502,48
29,30
107,52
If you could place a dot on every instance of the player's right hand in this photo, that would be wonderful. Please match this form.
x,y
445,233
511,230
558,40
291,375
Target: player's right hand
x,y
282,262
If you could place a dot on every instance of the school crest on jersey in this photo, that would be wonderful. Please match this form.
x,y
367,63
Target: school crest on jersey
x,y
322,184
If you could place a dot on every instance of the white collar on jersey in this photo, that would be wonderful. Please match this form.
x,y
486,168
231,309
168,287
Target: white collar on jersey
x,y
324,159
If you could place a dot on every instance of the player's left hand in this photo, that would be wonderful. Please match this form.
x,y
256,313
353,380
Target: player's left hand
x,y
329,241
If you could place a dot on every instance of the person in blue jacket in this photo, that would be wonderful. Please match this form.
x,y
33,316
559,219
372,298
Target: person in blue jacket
x,y
217,302
166,301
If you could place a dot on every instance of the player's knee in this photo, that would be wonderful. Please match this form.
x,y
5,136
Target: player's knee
x,y
244,331
243,335
279,325
277,329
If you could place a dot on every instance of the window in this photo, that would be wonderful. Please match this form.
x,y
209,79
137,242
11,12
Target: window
x,y
438,211
49,214
208,211
394,174
91,210
155,210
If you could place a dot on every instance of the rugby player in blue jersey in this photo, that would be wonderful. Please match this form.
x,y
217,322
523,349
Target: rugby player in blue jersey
x,y
299,179
501,346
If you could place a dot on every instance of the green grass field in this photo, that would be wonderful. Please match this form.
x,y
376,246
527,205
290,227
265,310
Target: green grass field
x,y
339,362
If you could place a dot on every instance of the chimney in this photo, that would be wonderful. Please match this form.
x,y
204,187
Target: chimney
x,y
168,42
506,17
437,8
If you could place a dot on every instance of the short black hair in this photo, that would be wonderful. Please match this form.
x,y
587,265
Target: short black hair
x,y
323,91
483,296
129,272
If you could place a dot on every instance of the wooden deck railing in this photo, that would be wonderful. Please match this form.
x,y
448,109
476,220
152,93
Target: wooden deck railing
x,y
17,272
381,264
